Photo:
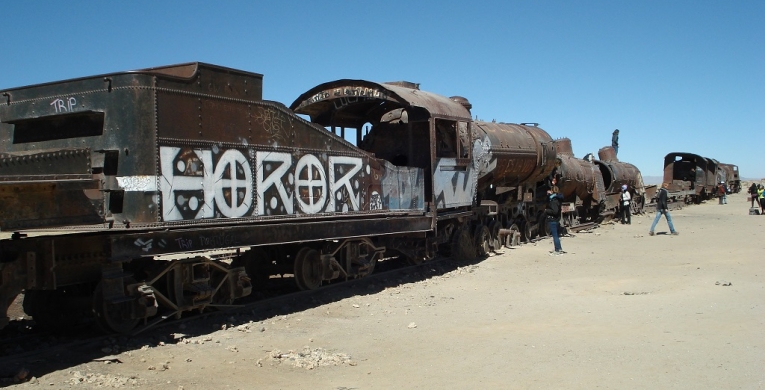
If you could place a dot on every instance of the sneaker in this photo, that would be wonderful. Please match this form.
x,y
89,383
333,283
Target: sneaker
x,y
650,233
675,233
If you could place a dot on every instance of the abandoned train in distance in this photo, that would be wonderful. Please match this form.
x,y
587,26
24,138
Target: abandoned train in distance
x,y
140,195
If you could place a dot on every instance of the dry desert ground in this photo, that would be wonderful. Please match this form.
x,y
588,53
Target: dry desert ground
x,y
621,310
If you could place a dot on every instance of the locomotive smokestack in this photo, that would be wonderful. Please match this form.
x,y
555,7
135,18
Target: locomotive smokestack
x,y
607,154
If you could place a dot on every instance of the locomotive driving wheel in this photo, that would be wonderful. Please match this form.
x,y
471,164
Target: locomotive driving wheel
x,y
636,206
494,243
308,269
543,226
113,317
481,238
462,248
513,239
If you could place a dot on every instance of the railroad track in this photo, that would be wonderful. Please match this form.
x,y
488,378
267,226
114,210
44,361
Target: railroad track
x,y
42,348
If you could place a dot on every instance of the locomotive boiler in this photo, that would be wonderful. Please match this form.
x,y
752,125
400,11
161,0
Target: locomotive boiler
x,y
581,184
616,174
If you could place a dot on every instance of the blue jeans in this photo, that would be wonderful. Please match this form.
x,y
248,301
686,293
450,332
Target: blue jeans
x,y
554,232
669,220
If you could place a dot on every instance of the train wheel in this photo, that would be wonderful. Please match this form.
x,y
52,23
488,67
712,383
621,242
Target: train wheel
x,y
529,231
481,239
494,230
308,270
462,247
542,226
636,206
513,239
113,317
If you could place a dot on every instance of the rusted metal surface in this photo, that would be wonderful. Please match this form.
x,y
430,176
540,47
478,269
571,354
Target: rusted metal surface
x,y
730,176
212,149
406,126
351,103
617,173
514,155
578,180
182,159
688,173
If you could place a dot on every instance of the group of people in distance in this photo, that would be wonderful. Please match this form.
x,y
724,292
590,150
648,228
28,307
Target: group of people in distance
x,y
757,194
553,209
553,213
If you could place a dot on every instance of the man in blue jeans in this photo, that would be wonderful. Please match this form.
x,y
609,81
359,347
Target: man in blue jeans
x,y
661,208
553,212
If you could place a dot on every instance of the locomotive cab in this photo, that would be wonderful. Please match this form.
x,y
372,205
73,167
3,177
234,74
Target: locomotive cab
x,y
399,123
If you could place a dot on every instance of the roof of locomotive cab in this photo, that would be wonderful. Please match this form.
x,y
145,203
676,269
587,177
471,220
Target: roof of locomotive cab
x,y
373,100
182,71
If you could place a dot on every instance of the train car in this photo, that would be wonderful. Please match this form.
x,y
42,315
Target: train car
x,y
115,189
729,175
481,176
691,178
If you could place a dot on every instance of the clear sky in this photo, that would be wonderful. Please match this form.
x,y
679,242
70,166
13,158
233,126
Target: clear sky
x,y
672,75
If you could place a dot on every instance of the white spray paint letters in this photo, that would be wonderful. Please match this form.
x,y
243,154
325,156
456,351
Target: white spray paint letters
x,y
64,105
199,183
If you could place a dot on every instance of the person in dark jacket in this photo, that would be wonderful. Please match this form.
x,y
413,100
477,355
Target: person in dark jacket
x,y
753,194
615,141
661,208
553,211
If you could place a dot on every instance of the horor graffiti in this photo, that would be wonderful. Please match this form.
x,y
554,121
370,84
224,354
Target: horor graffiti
x,y
199,183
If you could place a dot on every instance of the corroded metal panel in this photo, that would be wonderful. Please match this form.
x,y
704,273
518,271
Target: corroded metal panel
x,y
513,154
685,172
619,173
365,99
187,143
578,178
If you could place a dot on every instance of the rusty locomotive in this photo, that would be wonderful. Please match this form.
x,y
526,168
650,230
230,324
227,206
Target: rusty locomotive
x,y
138,196
692,178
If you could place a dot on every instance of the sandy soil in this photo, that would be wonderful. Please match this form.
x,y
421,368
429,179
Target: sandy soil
x,y
621,310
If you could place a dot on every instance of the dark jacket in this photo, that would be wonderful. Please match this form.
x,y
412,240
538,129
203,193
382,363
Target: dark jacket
x,y
552,211
661,200
753,189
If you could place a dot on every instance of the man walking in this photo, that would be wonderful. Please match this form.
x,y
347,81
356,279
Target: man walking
x,y
661,208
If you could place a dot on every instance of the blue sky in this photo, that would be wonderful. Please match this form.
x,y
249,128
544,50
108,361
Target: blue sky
x,y
673,76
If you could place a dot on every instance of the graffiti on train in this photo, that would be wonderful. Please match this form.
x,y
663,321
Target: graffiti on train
x,y
214,183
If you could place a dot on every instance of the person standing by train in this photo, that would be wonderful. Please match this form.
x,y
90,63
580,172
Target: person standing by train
x,y
761,198
615,141
753,194
553,212
625,206
663,209
722,192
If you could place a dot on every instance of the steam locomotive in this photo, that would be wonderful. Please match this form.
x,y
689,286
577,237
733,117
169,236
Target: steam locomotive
x,y
138,196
